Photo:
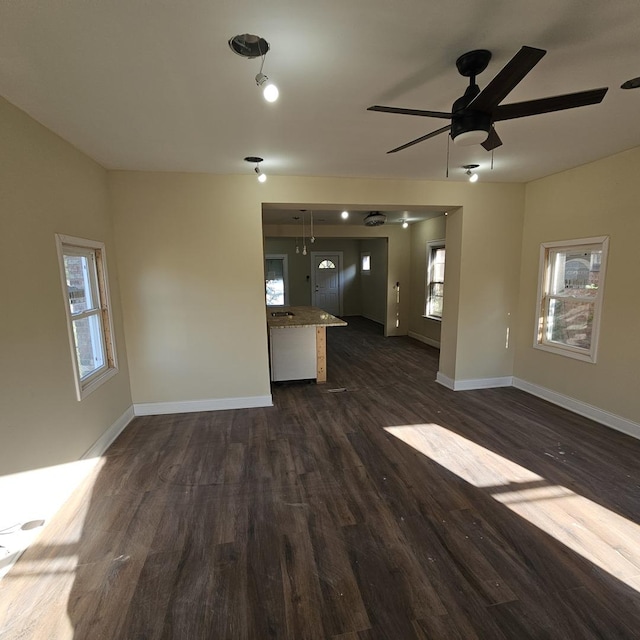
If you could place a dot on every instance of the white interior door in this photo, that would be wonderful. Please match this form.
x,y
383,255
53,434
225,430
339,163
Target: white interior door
x,y
326,291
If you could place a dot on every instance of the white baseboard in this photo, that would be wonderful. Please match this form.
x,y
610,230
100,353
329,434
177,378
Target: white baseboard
x,y
581,408
36,495
430,341
191,406
474,383
108,437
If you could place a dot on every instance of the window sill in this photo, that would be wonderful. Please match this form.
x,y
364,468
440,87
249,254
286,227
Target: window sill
x,y
90,386
568,352
435,318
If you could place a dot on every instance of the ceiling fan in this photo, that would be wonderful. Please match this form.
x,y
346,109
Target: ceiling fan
x,y
473,115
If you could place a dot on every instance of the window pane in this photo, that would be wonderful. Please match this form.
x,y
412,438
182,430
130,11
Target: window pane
x,y
435,281
275,292
79,289
575,273
275,281
366,263
326,264
435,306
570,322
89,344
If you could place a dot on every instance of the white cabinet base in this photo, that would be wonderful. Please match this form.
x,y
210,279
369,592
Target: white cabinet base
x,y
293,353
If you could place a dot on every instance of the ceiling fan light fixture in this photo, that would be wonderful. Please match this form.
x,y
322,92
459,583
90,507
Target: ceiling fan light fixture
x,y
467,138
375,219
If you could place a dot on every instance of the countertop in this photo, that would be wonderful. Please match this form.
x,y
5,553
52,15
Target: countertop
x,y
302,317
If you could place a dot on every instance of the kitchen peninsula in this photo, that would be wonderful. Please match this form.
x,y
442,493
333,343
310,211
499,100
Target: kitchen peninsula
x,y
298,342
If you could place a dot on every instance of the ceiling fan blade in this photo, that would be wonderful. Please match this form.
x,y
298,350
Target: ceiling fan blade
x,y
493,140
507,79
547,105
421,139
411,112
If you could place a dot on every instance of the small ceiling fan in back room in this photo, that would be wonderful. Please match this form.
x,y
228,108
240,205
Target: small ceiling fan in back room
x,y
473,115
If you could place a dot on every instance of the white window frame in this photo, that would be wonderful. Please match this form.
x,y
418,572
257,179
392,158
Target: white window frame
x,y
544,284
432,247
99,282
363,270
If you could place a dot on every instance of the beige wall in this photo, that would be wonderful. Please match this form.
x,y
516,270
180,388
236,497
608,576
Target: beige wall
x,y
48,187
192,250
593,200
374,284
490,272
193,297
421,234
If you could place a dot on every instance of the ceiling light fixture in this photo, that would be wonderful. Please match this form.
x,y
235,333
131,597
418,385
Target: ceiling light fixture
x,y
304,242
375,219
250,46
405,224
473,177
344,215
262,177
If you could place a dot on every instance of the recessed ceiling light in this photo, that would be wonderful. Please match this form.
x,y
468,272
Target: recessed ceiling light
x,y
344,215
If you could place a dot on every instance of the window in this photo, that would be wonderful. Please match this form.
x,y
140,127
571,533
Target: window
x,y
570,296
435,280
84,281
276,279
365,263
327,264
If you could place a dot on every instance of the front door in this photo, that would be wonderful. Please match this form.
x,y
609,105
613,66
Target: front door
x,y
325,287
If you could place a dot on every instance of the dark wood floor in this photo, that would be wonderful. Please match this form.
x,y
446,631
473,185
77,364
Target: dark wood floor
x,y
380,505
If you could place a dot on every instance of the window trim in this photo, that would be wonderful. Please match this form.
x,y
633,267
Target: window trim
x,y
544,274
90,383
432,246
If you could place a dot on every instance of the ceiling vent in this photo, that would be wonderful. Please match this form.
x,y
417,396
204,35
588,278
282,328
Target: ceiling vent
x,y
375,219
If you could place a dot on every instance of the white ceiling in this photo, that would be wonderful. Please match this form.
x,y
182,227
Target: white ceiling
x,y
153,84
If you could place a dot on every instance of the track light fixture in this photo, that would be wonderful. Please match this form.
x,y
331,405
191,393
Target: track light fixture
x,y
404,223
473,177
248,45
262,177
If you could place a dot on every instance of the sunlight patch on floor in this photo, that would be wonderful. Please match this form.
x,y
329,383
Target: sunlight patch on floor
x,y
598,534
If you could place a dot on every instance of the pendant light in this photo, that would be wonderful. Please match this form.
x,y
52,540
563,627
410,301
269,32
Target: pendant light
x,y
304,244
